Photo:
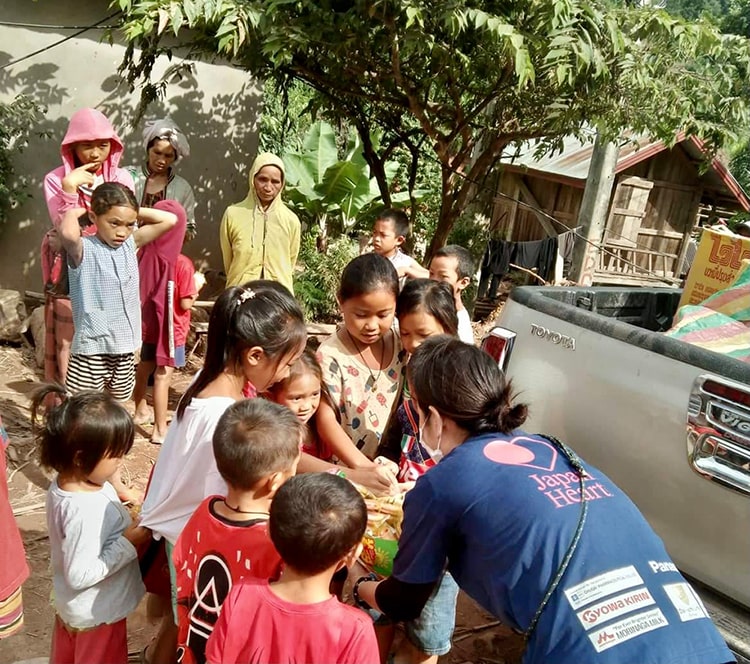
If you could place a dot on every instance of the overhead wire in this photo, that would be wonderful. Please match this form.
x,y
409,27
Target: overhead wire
x,y
497,195
60,41
47,26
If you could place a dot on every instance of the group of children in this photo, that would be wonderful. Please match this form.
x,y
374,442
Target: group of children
x,y
94,211
248,501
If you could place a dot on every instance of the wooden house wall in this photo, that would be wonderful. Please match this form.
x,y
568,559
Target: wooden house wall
x,y
672,208
672,203
512,220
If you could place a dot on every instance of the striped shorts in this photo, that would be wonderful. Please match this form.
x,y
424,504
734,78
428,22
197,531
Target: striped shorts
x,y
111,373
11,614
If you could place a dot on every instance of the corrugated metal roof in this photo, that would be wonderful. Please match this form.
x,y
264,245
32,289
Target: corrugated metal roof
x,y
572,163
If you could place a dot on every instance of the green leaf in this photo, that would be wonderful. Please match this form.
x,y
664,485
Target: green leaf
x,y
177,18
340,181
413,16
319,150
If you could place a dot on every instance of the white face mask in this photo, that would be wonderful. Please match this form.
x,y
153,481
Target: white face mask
x,y
435,453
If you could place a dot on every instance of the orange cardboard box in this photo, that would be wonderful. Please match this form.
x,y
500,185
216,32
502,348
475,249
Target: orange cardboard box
x,y
716,265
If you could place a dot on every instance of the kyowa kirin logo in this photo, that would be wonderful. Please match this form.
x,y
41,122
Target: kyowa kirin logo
x,y
556,338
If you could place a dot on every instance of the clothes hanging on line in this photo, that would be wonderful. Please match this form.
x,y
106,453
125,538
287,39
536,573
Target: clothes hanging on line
x,y
566,242
538,255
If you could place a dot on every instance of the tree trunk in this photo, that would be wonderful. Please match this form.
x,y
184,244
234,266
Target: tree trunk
x,y
377,165
321,242
456,198
446,218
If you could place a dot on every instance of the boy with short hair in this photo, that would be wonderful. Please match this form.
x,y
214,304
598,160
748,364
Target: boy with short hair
x,y
257,446
317,524
454,265
389,232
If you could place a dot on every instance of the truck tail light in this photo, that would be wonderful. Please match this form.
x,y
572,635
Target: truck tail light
x,y
498,344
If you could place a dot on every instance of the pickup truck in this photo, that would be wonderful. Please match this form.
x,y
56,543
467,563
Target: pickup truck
x,y
667,421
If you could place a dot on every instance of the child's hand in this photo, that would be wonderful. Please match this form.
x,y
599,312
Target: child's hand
x,y
386,463
53,237
380,480
83,175
136,534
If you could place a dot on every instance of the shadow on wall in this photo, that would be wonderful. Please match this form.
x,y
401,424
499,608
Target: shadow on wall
x,y
24,225
221,141
221,129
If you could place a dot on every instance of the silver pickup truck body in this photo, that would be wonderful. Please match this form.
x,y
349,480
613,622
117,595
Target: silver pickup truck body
x,y
667,421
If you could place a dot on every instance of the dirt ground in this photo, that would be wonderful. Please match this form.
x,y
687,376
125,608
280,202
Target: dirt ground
x,y
478,639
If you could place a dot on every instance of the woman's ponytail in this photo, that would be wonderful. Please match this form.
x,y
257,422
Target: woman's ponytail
x,y
510,416
464,384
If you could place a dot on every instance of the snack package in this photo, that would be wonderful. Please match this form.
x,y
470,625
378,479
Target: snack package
x,y
380,543
715,266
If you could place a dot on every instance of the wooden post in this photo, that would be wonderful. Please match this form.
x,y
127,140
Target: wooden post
x,y
593,215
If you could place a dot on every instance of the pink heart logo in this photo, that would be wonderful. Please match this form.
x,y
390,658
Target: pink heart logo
x,y
522,451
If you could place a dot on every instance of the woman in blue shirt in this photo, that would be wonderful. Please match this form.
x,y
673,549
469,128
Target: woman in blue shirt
x,y
543,541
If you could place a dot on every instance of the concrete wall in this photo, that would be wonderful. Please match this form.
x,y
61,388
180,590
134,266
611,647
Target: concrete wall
x,y
217,106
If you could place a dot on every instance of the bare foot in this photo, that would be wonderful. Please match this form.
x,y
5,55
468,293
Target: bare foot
x,y
143,418
157,436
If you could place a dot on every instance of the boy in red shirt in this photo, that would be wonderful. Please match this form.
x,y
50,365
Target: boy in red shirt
x,y
257,446
317,523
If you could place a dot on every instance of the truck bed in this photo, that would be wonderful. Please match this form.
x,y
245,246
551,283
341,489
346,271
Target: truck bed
x,y
635,316
596,372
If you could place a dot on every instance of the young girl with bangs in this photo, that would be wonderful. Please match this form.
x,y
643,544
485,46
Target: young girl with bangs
x,y
325,447
362,361
424,308
256,332
96,578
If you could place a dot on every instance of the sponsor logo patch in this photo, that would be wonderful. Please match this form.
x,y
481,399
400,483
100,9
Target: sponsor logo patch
x,y
600,586
657,567
619,632
689,606
614,607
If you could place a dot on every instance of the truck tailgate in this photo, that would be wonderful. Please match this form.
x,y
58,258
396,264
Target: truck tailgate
x,y
623,407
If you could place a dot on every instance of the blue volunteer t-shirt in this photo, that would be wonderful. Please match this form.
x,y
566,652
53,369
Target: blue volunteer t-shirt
x,y
503,509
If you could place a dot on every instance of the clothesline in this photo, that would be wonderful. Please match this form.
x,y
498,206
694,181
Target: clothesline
x,y
559,235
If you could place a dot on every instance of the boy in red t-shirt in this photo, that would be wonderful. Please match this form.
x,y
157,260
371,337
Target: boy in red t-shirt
x,y
168,292
257,446
317,523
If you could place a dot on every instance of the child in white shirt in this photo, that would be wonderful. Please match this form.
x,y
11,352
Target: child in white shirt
x,y
96,578
454,265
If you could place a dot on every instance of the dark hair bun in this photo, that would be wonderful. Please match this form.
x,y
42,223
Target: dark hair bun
x,y
509,416
514,416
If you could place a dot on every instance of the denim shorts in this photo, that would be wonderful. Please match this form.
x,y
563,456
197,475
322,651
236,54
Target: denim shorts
x,y
433,630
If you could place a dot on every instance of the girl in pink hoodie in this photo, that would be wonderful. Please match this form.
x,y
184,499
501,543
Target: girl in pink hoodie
x,y
91,152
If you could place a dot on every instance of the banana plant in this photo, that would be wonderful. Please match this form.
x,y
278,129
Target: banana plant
x,y
333,192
